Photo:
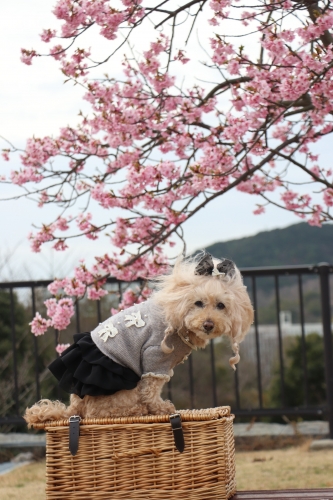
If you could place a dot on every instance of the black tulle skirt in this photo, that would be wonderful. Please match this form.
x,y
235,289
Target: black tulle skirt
x,y
83,369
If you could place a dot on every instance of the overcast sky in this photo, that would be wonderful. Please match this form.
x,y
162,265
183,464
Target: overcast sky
x,y
34,101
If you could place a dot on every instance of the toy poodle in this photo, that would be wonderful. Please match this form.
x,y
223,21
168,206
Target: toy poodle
x,y
119,369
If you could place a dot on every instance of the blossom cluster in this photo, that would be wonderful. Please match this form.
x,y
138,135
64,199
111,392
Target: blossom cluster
x,y
164,151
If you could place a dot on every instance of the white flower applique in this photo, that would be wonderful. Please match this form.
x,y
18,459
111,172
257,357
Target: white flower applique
x,y
134,319
109,330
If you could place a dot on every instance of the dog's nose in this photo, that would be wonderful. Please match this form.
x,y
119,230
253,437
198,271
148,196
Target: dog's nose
x,y
208,325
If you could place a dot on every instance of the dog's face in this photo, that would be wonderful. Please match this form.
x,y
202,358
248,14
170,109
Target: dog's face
x,y
217,309
208,315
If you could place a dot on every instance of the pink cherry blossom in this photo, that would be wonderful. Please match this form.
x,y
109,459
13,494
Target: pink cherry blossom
x,y
27,56
95,293
60,312
60,348
5,154
60,246
328,197
56,286
47,35
39,325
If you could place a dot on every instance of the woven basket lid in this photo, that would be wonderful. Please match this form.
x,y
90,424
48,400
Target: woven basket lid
x,y
186,415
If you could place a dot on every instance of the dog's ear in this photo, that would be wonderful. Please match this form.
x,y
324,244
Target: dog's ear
x,y
227,267
205,265
242,317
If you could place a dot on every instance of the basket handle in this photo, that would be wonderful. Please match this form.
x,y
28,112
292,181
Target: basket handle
x,y
176,425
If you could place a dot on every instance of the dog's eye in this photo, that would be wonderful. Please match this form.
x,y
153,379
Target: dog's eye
x,y
198,303
220,306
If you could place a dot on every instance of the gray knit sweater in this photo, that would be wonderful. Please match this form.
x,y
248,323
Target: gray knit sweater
x,y
133,339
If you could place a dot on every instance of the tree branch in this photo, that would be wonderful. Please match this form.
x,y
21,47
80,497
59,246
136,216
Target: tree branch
x,y
180,9
223,85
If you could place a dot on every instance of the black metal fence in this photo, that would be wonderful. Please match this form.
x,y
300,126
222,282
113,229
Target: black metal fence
x,y
202,380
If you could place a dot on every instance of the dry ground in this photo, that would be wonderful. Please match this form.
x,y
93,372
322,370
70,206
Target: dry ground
x,y
24,483
256,470
284,469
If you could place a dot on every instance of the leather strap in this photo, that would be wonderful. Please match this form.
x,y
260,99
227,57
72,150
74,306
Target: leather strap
x,y
74,433
176,425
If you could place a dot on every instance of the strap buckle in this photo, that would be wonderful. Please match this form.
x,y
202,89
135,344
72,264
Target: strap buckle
x,y
175,415
74,418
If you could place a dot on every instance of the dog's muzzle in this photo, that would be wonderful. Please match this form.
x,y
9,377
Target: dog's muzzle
x,y
208,325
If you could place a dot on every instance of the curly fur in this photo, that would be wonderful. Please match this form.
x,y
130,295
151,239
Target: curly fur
x,y
177,294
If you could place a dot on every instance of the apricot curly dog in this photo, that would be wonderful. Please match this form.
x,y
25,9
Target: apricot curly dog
x,y
119,369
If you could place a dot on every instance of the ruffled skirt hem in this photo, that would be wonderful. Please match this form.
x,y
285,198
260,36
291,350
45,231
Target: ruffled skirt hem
x,y
83,369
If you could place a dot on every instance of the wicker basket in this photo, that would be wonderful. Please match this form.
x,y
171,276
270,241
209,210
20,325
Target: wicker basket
x,y
135,458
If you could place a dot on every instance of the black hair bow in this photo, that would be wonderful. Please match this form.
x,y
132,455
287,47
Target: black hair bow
x,y
205,266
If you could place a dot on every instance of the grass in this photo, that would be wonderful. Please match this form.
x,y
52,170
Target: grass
x,y
24,483
256,470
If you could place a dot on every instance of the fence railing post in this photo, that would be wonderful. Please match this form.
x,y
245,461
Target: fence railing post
x,y
324,271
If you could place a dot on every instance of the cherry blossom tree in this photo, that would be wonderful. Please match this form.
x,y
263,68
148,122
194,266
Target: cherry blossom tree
x,y
156,148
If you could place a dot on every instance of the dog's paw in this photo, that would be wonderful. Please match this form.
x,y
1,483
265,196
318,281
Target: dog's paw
x,y
162,408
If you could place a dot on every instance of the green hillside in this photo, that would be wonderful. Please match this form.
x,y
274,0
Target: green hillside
x,y
293,245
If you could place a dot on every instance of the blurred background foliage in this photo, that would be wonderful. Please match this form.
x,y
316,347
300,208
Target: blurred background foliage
x,y
297,389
